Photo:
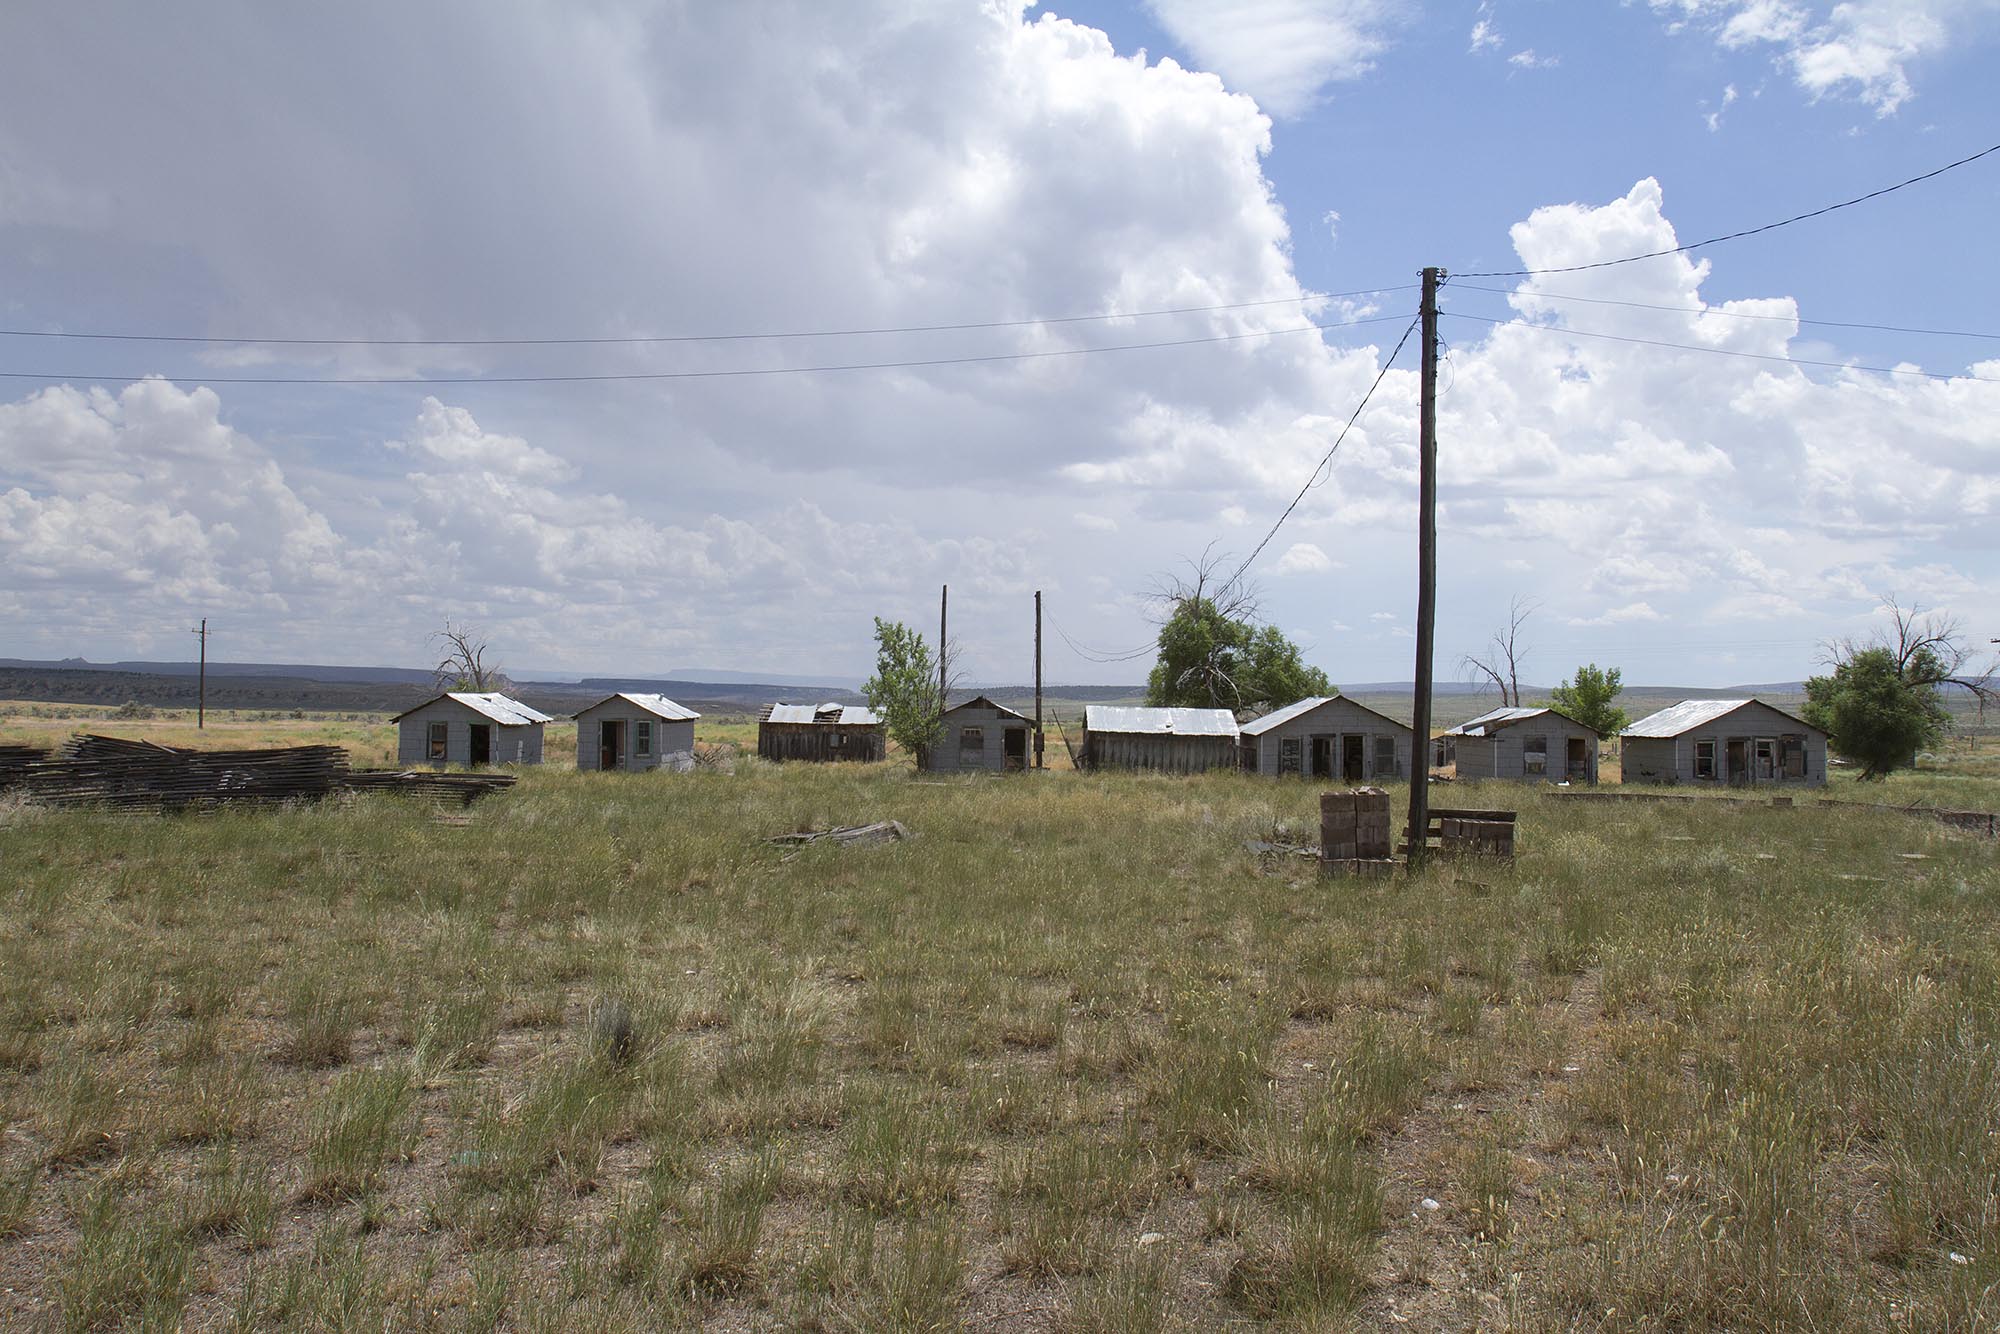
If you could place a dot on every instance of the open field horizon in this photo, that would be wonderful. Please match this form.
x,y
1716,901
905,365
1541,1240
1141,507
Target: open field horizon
x,y
1070,1058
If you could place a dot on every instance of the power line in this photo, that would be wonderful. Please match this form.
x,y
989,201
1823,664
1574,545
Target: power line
x,y
708,375
646,339
1098,655
1729,314
1314,480
1733,236
1721,351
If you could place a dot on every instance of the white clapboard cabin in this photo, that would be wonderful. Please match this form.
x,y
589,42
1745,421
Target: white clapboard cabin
x,y
1724,742
635,732
1328,737
1183,741
463,727
1535,745
980,734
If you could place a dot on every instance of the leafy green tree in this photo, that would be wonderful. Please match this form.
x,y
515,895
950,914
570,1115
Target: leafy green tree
x,y
1210,659
1874,711
1587,697
904,689
1882,703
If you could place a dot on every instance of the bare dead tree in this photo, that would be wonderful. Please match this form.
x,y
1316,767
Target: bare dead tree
x,y
1501,663
463,664
1930,650
1234,598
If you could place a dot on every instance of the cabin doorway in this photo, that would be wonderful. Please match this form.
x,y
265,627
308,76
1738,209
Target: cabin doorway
x,y
1353,760
610,744
1322,758
1014,749
1579,758
480,750
1738,764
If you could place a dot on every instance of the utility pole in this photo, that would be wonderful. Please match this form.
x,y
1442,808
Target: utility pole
x,y
1038,678
201,678
1420,710
944,606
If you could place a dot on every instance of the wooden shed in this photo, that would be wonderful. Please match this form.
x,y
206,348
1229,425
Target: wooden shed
x,y
635,732
821,732
461,727
1740,742
1173,740
1535,745
980,734
1330,737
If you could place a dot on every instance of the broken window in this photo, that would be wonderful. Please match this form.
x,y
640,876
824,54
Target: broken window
x,y
438,733
1767,759
1792,750
1704,761
1290,752
1385,756
642,737
1535,755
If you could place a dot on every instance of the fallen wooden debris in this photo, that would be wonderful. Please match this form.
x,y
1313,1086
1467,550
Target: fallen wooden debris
x,y
851,836
465,788
1267,848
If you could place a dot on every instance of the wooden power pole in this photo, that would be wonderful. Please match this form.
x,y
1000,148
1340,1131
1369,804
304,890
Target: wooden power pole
x,y
201,680
1038,678
944,605
1420,710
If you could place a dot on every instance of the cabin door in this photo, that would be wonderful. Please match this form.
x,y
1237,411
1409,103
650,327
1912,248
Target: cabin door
x,y
1738,763
1322,757
611,744
481,751
1014,751
1579,760
1353,760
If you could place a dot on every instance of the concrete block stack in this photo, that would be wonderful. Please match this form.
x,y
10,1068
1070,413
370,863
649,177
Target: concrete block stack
x,y
1354,832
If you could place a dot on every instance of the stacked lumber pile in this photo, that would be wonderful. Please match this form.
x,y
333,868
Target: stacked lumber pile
x,y
1354,833
144,775
438,786
14,763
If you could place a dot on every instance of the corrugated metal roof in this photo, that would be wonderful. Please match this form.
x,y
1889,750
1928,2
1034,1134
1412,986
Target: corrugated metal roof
x,y
657,705
843,715
1678,718
1159,722
1279,717
981,699
1692,713
506,712
1488,723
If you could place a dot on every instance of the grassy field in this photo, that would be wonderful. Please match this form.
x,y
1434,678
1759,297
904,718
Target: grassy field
x,y
1071,1058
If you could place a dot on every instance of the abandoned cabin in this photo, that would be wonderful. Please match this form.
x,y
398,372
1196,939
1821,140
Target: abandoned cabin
x,y
461,727
635,732
979,734
1181,741
1536,745
821,732
1725,742
1327,737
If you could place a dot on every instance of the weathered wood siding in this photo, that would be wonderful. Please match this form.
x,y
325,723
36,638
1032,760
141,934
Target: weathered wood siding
x,y
1503,755
949,756
517,744
673,741
1152,750
1337,718
820,742
1672,759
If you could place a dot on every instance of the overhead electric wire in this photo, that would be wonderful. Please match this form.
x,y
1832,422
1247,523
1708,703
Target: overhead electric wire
x,y
1728,314
1718,351
705,375
644,339
1736,235
1097,655
1314,480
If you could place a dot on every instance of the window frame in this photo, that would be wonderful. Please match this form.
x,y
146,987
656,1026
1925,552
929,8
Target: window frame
x,y
1291,755
437,741
1384,759
642,736
1704,761
1535,756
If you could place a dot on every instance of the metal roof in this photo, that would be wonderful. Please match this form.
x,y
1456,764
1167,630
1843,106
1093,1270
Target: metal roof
x,y
981,699
493,704
657,705
1692,713
1159,722
1279,717
831,715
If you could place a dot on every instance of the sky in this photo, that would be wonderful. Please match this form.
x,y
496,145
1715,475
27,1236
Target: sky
x,y
435,186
